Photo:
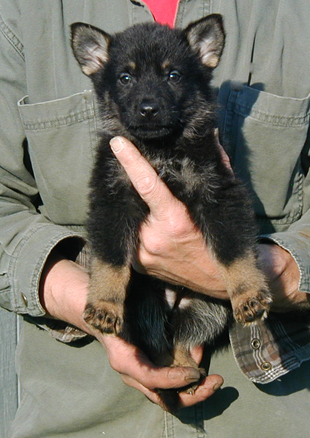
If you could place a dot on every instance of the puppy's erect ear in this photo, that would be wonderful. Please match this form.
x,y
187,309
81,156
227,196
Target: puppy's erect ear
x,y
90,47
207,36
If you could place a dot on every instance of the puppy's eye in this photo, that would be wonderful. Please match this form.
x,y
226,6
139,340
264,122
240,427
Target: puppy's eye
x,y
174,76
125,78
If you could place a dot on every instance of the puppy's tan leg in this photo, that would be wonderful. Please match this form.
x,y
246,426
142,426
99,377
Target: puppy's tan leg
x,y
248,290
105,304
182,358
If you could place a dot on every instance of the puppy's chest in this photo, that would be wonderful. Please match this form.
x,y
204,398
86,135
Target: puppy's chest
x,y
183,176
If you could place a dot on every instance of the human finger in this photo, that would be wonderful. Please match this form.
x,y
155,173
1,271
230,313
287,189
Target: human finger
x,y
224,155
128,360
205,390
143,176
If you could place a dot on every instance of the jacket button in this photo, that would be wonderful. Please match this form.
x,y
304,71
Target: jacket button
x,y
25,299
256,344
266,366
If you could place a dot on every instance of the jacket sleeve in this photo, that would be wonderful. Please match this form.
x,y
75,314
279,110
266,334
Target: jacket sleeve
x,y
296,240
26,236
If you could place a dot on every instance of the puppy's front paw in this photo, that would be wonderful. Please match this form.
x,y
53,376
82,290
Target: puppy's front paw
x,y
105,316
250,307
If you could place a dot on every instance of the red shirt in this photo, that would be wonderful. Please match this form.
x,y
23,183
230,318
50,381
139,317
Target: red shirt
x,y
164,11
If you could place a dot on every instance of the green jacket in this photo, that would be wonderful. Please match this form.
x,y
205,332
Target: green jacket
x,y
49,121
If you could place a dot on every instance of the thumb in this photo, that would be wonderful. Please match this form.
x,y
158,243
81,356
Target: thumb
x,y
128,360
142,175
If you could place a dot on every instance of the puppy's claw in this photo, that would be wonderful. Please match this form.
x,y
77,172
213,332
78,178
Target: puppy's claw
x,y
191,390
105,317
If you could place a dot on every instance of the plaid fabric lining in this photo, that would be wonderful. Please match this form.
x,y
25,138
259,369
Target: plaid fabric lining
x,y
271,348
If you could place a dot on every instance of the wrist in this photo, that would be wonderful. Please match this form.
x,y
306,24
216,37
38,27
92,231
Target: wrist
x,y
284,278
63,290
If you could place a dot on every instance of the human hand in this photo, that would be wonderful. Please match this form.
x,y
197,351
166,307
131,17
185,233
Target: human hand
x,y
64,288
137,371
171,247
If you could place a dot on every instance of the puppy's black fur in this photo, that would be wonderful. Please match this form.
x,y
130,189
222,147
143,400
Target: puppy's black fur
x,y
153,87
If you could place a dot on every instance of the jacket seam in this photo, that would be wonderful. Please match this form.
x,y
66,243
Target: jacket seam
x,y
12,38
71,119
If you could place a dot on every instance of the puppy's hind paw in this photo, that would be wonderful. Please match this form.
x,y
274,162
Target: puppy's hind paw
x,y
191,388
105,316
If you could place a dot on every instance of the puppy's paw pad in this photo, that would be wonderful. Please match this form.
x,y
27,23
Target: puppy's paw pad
x,y
105,317
254,308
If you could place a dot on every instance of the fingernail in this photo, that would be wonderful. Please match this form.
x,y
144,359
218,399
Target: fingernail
x,y
191,375
117,144
217,386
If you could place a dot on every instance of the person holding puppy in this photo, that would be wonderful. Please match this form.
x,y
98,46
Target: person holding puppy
x,y
47,143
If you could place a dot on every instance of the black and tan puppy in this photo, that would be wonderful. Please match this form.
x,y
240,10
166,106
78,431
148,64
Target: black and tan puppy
x,y
153,87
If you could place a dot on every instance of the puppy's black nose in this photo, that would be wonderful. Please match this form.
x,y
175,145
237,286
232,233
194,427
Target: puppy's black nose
x,y
149,109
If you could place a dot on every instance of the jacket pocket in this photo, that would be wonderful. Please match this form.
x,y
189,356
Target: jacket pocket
x,y
266,134
61,136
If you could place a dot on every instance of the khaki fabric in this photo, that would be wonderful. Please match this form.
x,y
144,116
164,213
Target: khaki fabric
x,y
70,390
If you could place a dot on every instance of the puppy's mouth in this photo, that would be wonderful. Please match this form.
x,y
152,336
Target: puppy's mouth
x,y
151,131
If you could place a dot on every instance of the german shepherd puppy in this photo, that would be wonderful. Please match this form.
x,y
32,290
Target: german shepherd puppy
x,y
153,87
